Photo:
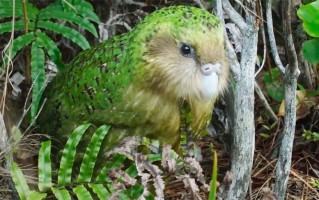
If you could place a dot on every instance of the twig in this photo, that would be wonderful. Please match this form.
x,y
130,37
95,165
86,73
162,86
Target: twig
x,y
262,30
26,107
232,57
200,4
264,102
305,182
265,167
271,37
235,16
9,63
27,55
291,76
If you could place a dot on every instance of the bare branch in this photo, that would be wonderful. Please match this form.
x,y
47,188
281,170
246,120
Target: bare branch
x,y
232,57
291,76
264,41
234,16
199,3
272,40
243,132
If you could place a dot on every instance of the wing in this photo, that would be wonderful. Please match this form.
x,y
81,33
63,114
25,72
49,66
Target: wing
x,y
89,89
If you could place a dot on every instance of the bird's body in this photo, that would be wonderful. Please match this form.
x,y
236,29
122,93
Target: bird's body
x,y
140,82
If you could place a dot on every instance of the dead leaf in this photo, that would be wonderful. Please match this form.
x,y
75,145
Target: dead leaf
x,y
235,36
159,187
169,158
303,104
191,187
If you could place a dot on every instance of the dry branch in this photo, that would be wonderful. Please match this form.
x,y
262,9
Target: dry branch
x,y
291,76
271,35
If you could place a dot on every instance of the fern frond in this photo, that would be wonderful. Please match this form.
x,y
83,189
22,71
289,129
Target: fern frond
x,y
99,190
67,32
82,8
61,194
18,44
68,155
34,195
87,13
21,42
6,10
44,166
82,193
6,27
51,48
91,153
70,17
19,181
37,75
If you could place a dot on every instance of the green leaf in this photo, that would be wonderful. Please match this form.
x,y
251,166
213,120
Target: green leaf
x,y
213,186
6,11
123,195
16,136
20,182
274,84
70,17
61,194
99,190
149,197
310,50
132,171
6,27
310,16
91,153
68,155
51,48
38,76
116,162
135,191
7,8
68,5
82,193
34,195
18,44
83,8
67,32
88,13
264,135
44,166
154,157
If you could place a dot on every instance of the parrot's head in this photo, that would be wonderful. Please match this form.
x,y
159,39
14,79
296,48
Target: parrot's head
x,y
183,53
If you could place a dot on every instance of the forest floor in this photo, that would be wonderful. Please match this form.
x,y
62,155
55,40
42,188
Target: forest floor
x,y
304,173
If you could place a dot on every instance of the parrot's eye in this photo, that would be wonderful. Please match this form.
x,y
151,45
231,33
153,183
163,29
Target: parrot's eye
x,y
187,50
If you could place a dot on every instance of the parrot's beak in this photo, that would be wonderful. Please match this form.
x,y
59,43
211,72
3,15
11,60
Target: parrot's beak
x,y
209,68
209,80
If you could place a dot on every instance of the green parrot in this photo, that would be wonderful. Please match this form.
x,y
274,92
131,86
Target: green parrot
x,y
142,83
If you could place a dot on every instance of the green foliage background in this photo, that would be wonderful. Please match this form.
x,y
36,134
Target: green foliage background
x,y
35,28
309,14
